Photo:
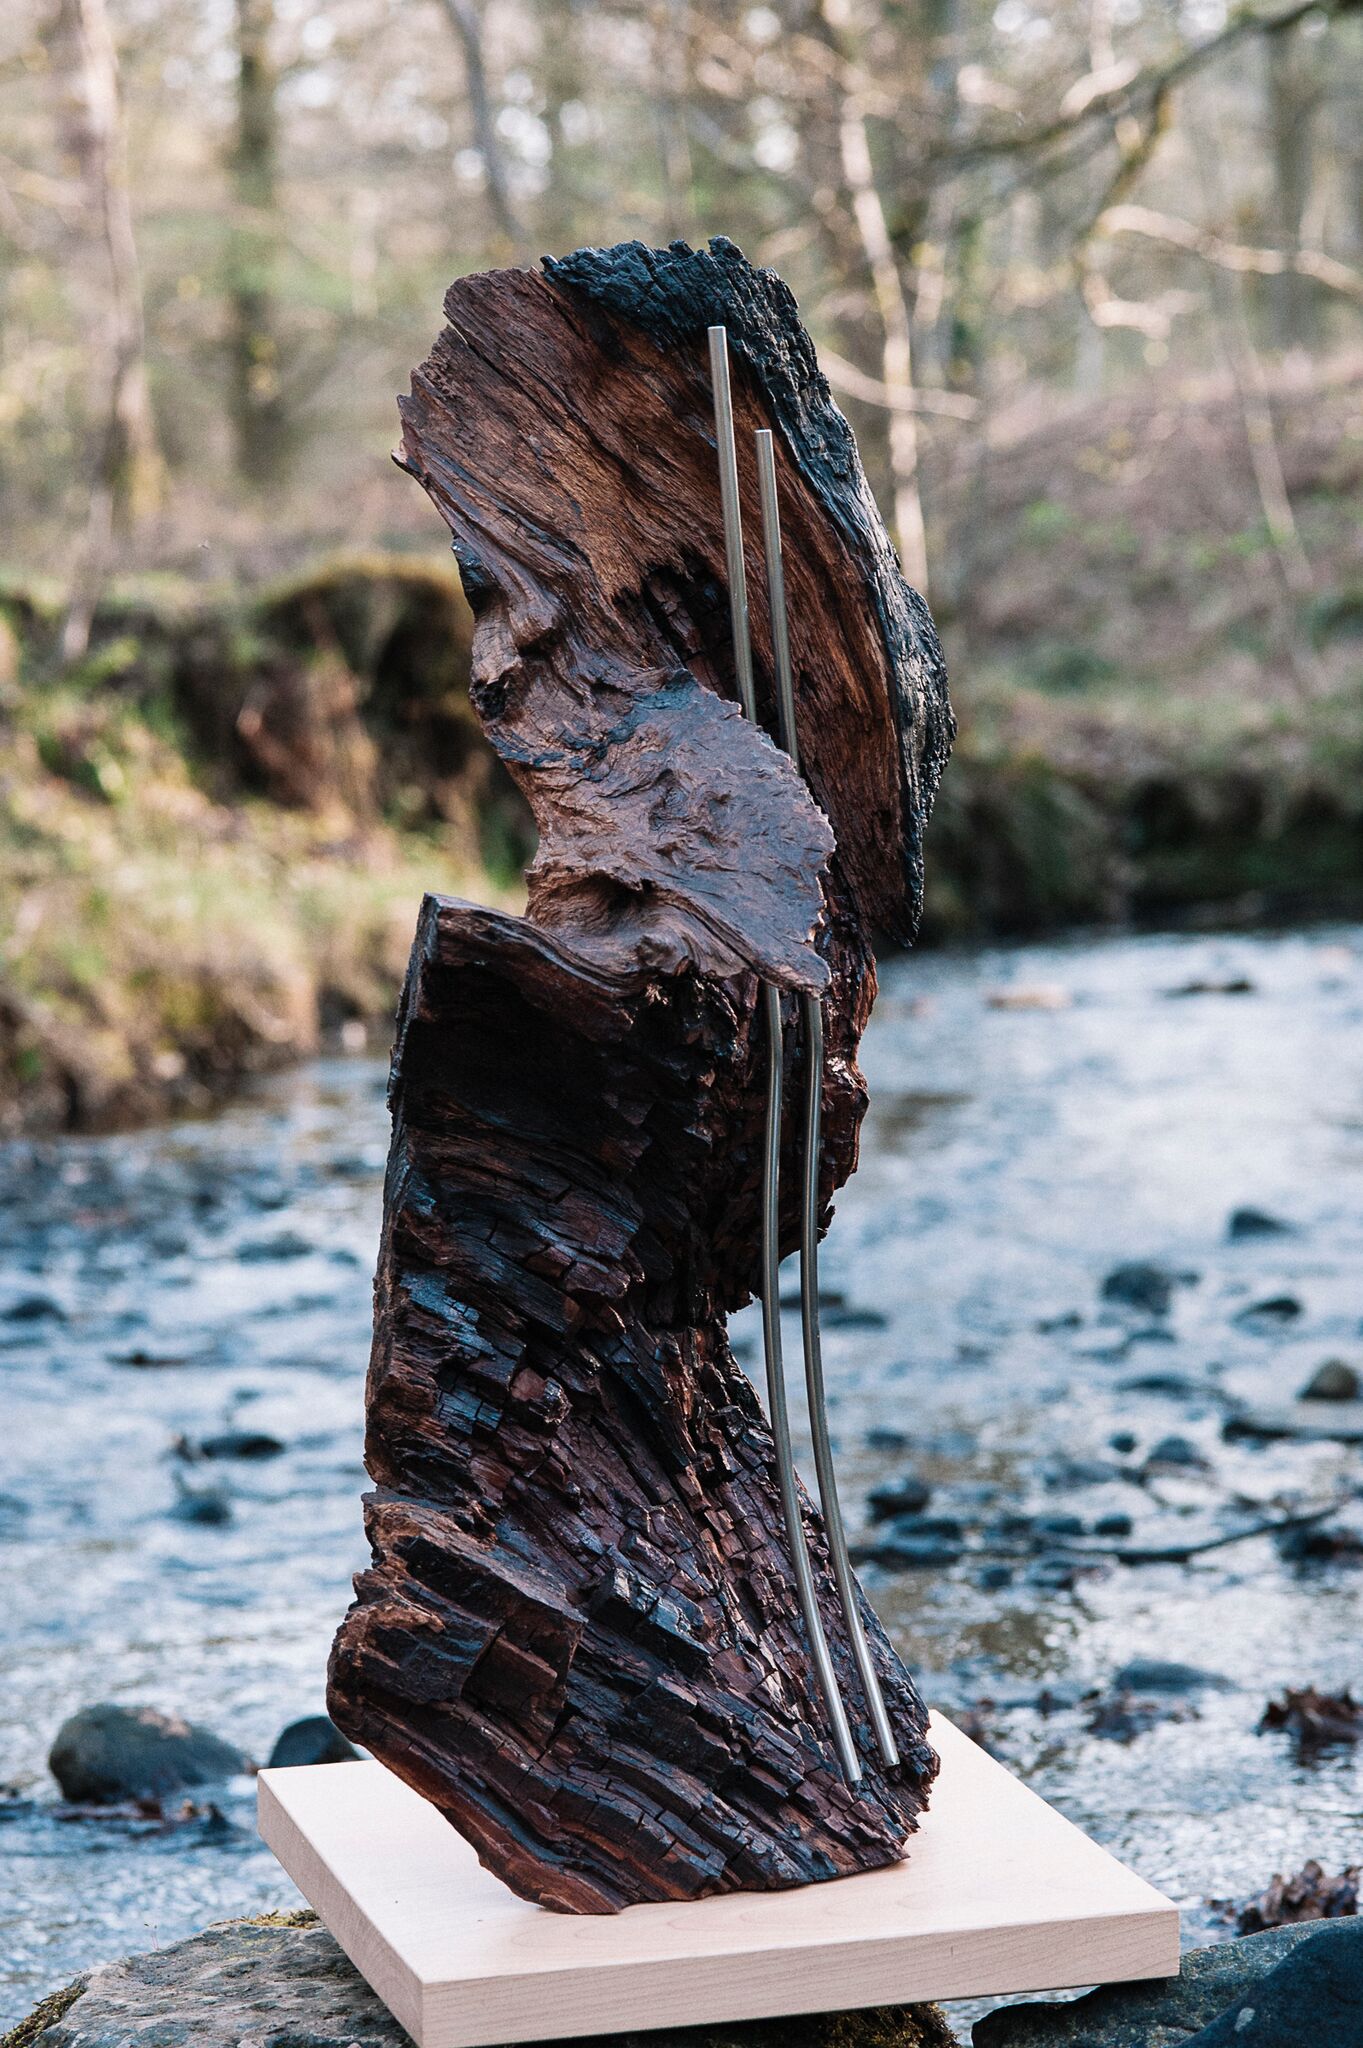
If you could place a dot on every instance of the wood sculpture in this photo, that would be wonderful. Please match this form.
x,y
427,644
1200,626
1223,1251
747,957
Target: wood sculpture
x,y
579,1637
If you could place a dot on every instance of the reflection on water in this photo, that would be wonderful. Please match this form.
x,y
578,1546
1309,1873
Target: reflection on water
x,y
1038,1116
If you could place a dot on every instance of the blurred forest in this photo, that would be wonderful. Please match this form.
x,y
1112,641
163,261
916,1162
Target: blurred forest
x,y
1087,278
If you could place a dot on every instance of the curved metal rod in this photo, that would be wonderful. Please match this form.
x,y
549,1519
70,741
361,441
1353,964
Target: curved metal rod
x,y
811,1011
771,1163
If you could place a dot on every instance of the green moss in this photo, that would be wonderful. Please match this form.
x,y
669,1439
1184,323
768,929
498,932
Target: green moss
x,y
54,2008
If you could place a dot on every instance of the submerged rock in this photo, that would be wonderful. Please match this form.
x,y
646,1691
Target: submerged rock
x,y
1304,1421
107,1754
1246,1223
1141,1284
34,1308
1153,1675
1301,1996
283,1980
240,1443
1333,1380
908,1495
1176,1451
209,1507
1269,1313
315,1740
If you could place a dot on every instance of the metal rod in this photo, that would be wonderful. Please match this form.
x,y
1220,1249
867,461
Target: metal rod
x,y
733,518
811,1011
771,1164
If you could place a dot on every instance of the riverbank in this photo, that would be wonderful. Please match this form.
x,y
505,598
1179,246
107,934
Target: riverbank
x,y
216,829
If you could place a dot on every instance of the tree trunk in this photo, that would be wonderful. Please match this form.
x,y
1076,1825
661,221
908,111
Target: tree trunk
x,y
465,18
1293,89
257,397
580,1635
127,477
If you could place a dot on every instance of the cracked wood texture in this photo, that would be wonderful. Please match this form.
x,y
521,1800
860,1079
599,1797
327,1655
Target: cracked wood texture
x,y
579,1637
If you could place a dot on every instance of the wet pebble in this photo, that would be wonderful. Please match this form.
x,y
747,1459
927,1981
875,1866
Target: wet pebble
x,y
1333,1380
1275,1309
232,1443
1058,1525
905,1550
34,1308
1175,1451
1122,1717
285,1244
1061,1474
1053,1574
1158,1675
1177,1386
849,1318
208,1507
108,1754
883,1439
1304,1421
314,1740
1249,1223
908,1495
1141,1284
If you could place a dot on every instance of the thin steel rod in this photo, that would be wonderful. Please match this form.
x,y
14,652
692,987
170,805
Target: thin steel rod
x,y
727,449
771,1163
811,1011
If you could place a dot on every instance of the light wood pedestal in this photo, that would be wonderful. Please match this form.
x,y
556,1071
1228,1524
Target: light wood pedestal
x,y
997,1894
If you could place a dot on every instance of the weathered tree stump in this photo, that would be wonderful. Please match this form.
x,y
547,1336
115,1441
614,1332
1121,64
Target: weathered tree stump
x,y
580,1636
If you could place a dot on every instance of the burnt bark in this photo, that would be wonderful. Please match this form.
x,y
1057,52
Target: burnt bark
x,y
580,1636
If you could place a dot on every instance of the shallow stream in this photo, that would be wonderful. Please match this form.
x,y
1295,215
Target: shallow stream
x,y
1039,1116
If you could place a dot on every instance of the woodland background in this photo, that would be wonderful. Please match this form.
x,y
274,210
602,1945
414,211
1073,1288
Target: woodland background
x,y
1087,279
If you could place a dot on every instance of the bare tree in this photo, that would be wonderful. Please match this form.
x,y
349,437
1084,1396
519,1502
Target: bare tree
x,y
257,395
888,292
466,19
127,470
1294,93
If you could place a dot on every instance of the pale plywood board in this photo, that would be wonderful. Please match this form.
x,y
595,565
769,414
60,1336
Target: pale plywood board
x,y
998,1893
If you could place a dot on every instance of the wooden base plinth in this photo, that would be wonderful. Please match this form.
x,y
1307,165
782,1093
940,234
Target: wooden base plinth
x,y
997,1894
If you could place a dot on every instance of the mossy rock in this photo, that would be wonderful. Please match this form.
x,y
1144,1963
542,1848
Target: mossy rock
x,y
213,1990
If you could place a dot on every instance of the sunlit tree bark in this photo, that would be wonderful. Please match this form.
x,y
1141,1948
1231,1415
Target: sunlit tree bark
x,y
257,394
127,472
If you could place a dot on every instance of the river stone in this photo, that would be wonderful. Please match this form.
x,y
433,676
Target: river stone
x,y
315,1740
1333,1380
1246,1223
1155,1675
1171,2012
1298,1421
1315,1997
284,1983
1141,1284
107,1754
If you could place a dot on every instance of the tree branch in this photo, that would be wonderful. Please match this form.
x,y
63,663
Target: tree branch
x,y
1238,256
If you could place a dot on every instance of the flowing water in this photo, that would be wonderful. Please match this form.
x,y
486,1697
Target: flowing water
x,y
1039,1116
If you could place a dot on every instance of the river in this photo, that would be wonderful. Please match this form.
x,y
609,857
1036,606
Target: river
x,y
1040,1115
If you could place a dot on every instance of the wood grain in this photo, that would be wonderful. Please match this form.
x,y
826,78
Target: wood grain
x,y
1000,1895
579,1637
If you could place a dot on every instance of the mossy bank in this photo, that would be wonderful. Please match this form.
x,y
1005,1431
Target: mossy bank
x,y
216,828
